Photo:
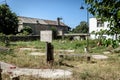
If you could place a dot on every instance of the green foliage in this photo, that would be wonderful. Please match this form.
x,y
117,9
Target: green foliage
x,y
107,11
118,14
4,39
101,33
54,32
94,70
8,20
110,42
66,44
86,75
6,52
81,28
25,31
36,44
105,42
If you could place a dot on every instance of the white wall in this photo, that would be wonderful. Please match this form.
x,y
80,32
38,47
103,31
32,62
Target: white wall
x,y
93,27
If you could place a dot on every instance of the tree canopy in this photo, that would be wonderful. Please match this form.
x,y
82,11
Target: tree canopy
x,y
8,20
107,10
81,28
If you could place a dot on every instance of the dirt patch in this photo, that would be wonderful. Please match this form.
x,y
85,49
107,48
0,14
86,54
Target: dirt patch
x,y
68,51
4,49
29,49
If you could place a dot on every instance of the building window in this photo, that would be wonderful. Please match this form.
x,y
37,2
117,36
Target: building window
x,y
100,23
103,37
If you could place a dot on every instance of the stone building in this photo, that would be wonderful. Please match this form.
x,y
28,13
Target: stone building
x,y
40,24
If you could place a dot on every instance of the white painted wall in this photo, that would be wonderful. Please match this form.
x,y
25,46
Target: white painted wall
x,y
93,27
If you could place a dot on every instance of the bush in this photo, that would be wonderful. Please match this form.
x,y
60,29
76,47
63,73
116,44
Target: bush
x,y
54,32
4,40
108,42
25,31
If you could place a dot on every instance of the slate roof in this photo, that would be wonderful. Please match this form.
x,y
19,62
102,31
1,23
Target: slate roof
x,y
31,20
37,20
51,22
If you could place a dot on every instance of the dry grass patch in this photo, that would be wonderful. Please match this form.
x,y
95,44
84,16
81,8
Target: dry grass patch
x,y
108,69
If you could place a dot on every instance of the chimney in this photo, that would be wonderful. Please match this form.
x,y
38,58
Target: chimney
x,y
58,20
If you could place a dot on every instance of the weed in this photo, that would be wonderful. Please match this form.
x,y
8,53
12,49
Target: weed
x,y
101,70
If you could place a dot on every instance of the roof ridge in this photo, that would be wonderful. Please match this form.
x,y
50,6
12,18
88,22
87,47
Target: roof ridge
x,y
29,17
52,22
36,18
49,20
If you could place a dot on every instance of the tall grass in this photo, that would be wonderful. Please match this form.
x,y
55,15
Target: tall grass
x,y
95,70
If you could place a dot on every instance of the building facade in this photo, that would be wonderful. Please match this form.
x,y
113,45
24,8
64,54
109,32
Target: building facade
x,y
96,25
39,24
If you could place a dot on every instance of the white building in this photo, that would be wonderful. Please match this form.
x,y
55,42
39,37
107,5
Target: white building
x,y
97,25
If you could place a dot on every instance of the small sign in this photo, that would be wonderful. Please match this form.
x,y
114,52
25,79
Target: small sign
x,y
46,36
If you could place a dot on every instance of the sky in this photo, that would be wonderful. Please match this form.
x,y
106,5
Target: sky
x,y
68,10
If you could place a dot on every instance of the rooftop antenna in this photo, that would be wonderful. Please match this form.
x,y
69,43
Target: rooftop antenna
x,y
58,20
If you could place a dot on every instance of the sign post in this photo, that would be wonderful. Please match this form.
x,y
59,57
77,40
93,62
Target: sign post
x,y
46,36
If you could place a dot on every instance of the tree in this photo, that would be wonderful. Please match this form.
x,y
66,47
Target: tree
x,y
54,32
81,28
107,10
8,20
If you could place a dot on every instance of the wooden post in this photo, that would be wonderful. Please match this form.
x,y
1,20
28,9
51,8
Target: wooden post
x,y
88,58
49,53
6,41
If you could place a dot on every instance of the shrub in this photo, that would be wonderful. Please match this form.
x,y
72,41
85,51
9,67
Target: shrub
x,y
54,34
108,42
26,31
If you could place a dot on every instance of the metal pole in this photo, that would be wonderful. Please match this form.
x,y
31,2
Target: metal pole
x,y
87,36
88,31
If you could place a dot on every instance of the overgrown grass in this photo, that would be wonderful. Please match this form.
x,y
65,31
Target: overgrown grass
x,y
78,46
94,70
29,44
